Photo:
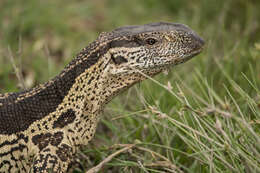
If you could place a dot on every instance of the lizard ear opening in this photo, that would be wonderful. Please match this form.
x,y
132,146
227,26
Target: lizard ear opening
x,y
118,59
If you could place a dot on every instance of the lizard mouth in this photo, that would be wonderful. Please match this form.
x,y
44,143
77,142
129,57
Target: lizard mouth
x,y
193,54
188,57
179,60
172,61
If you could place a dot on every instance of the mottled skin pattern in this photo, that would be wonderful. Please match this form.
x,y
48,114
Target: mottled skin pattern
x,y
42,128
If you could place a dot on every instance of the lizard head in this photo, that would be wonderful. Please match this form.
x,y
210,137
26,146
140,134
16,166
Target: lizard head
x,y
151,48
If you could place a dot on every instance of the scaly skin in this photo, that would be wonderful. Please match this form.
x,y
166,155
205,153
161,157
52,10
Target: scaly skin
x,y
42,128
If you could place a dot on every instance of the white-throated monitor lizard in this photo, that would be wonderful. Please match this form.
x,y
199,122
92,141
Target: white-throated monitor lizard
x,y
42,128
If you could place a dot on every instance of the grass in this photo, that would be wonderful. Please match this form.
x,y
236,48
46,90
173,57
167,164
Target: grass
x,y
204,116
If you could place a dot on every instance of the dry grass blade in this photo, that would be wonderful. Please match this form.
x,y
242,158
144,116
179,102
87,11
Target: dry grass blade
x,y
165,163
142,166
16,70
109,158
158,83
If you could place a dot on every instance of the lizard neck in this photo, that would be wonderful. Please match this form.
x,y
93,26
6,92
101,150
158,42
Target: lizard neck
x,y
91,89
90,92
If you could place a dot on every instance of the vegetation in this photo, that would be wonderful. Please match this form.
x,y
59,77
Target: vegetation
x,y
204,116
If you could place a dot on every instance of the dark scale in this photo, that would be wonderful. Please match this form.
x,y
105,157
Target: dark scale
x,y
64,119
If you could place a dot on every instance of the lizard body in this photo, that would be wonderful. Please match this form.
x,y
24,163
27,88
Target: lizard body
x,y
42,128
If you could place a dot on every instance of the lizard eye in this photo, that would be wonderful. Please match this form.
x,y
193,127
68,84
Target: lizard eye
x,y
151,41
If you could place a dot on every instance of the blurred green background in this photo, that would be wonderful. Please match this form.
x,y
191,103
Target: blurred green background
x,y
43,36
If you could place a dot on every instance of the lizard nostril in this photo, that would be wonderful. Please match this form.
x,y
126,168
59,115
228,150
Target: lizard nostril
x,y
201,41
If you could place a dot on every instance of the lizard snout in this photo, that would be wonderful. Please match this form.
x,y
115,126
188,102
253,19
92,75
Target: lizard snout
x,y
197,42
